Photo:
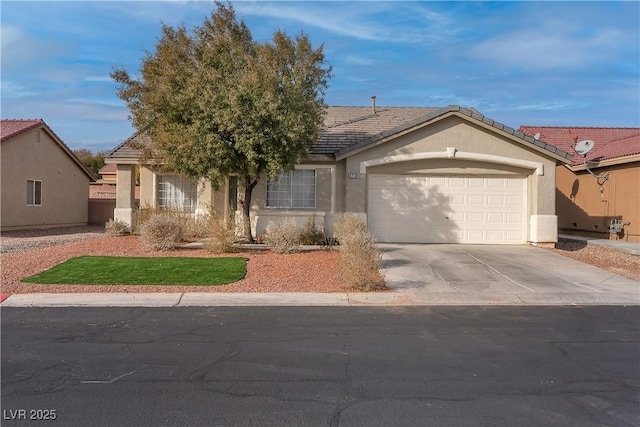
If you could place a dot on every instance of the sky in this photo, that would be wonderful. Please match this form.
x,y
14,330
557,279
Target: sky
x,y
519,63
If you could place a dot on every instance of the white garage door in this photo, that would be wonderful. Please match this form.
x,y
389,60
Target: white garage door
x,y
447,209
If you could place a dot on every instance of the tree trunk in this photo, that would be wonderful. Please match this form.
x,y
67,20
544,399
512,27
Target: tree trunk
x,y
249,184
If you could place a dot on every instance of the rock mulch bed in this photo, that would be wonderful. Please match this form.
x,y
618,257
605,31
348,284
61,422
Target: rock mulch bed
x,y
312,271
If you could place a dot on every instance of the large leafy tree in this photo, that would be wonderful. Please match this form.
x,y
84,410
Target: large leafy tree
x,y
94,162
215,102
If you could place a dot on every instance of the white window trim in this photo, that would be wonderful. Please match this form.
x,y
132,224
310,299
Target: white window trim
x,y
157,186
334,182
315,188
33,195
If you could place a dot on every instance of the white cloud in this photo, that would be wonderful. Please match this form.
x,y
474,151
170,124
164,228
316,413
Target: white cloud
x,y
10,34
10,89
99,79
20,49
373,21
551,47
358,60
551,105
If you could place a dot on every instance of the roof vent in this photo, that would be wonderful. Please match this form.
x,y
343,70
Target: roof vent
x,y
373,104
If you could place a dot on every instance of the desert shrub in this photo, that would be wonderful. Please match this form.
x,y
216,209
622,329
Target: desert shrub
x,y
360,260
310,234
221,236
194,227
200,226
116,228
162,232
347,224
282,238
142,216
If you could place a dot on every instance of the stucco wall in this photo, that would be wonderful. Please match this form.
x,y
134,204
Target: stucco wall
x,y
263,216
582,206
147,188
65,186
323,191
465,137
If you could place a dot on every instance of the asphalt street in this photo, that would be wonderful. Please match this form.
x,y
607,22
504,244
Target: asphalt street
x,y
316,366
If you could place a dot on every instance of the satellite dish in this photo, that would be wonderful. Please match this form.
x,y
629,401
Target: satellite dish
x,y
583,147
537,136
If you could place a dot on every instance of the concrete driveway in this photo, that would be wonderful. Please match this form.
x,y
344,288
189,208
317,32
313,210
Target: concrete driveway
x,y
470,274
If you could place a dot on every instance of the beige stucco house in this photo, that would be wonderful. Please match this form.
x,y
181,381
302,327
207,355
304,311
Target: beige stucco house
x,y
421,175
44,185
599,198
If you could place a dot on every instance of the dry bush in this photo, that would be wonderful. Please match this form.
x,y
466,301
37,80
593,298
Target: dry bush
x,y
221,235
310,234
116,228
347,224
143,216
162,232
200,226
282,238
360,260
194,227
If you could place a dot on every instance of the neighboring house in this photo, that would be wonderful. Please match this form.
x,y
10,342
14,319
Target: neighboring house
x,y
423,175
102,196
587,203
44,185
105,186
107,174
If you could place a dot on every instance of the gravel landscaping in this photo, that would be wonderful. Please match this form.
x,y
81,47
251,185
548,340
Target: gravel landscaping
x,y
26,253
312,271
613,260
28,240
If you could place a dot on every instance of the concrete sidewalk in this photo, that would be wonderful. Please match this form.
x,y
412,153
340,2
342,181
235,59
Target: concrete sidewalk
x,y
393,298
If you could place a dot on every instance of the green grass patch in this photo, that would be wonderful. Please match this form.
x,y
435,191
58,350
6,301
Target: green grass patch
x,y
100,270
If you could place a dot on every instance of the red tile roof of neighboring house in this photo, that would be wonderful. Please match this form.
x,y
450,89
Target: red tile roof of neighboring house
x,y
108,169
610,143
12,127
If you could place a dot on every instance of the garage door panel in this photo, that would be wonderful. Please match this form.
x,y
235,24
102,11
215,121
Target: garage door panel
x,y
495,217
494,235
475,217
457,199
495,199
475,235
515,218
515,200
475,199
495,183
475,182
455,216
447,209
456,182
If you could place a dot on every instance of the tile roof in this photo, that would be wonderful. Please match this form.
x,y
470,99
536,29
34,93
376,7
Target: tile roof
x,y
107,169
13,127
128,148
348,126
429,114
351,128
610,143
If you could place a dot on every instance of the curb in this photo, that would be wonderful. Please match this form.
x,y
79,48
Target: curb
x,y
388,299
4,297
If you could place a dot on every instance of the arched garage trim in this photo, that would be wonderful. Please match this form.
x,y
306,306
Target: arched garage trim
x,y
452,153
